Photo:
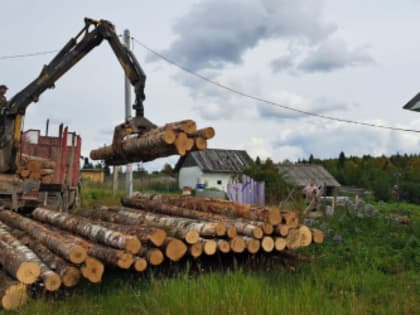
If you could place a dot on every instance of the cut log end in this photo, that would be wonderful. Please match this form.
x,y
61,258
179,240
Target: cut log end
x,y
305,236
253,246
267,244
140,264
223,246
15,296
200,143
155,256
71,277
220,229
231,231
274,217
210,247
77,254
293,239
175,249
282,230
52,281
238,245
169,136
196,250
157,237
125,260
133,245
268,228
258,233
192,237
93,270
279,244
317,236
28,272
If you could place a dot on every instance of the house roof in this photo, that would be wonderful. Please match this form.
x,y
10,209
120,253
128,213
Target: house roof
x,y
301,174
216,160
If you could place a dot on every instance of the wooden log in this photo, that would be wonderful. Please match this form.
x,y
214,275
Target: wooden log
x,y
195,250
317,236
183,144
305,236
92,269
146,234
155,206
174,249
252,245
223,246
149,146
49,179
188,126
17,259
83,227
233,226
267,244
205,133
174,226
293,239
227,208
281,229
69,275
12,293
154,256
290,218
64,247
140,264
200,143
237,245
209,246
38,162
280,243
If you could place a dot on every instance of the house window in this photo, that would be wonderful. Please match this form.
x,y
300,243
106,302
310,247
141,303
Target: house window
x,y
219,182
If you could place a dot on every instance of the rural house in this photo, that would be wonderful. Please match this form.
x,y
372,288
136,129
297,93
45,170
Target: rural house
x,y
301,174
212,168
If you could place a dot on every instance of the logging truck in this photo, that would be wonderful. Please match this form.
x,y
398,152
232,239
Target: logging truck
x,y
18,188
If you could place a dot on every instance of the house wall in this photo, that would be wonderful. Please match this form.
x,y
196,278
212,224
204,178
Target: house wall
x,y
191,176
93,176
217,180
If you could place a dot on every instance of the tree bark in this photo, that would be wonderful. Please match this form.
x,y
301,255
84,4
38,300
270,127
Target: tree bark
x,y
85,228
64,247
12,293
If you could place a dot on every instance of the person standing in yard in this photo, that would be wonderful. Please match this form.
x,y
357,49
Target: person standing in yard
x,y
311,193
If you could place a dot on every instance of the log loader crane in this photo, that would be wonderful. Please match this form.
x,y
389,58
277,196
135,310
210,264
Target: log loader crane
x,y
11,116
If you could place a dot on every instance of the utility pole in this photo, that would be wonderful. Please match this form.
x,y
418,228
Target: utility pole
x,y
129,170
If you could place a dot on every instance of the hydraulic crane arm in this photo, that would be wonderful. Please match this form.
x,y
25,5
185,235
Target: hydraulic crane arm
x,y
92,35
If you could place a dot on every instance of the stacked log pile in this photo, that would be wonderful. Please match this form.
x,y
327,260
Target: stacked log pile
x,y
36,168
53,250
173,138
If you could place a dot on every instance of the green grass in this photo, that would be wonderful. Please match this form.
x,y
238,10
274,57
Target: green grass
x,y
375,271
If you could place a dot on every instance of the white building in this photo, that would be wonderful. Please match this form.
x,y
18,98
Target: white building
x,y
213,168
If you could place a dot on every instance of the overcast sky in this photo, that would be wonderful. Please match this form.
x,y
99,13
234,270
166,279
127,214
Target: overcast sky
x,y
355,59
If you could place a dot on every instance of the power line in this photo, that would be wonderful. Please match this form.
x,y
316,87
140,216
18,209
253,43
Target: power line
x,y
272,103
34,54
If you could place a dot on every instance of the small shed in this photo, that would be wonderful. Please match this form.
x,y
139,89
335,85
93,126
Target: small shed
x,y
301,174
212,168
95,175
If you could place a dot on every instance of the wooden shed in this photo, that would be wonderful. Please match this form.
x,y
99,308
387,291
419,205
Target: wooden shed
x,y
301,174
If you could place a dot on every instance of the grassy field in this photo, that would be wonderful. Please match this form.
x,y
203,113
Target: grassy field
x,y
375,270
